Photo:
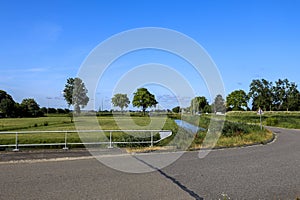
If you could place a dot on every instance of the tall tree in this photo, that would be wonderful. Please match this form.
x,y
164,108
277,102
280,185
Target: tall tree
x,y
293,98
7,104
237,100
280,91
143,98
261,94
120,100
219,104
75,93
198,104
30,107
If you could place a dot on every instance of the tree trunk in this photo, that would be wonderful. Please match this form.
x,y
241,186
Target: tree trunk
x,y
77,109
144,111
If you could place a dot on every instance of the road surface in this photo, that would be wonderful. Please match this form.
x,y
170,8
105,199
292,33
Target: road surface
x,y
269,171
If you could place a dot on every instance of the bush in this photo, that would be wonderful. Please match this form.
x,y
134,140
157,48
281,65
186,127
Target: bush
x,y
272,121
236,128
46,123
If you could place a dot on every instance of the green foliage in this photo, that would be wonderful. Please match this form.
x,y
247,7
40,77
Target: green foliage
x,y
143,98
233,133
219,104
283,119
176,109
7,104
198,104
75,93
237,128
261,94
207,109
237,100
272,121
284,95
120,100
30,108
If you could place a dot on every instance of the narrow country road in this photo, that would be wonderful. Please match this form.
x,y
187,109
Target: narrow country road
x,y
269,171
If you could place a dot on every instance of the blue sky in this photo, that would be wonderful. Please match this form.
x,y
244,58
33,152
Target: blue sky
x,y
42,43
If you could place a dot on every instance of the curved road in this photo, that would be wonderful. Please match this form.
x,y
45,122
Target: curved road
x,y
269,171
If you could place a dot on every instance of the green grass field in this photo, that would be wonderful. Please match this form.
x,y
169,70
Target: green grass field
x,y
240,128
278,119
63,123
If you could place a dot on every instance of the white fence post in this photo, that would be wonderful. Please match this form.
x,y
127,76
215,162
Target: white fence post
x,y
17,145
151,139
110,140
66,137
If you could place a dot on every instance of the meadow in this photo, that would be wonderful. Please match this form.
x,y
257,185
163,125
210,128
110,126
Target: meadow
x,y
240,128
63,123
282,119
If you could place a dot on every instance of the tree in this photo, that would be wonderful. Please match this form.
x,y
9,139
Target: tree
x,y
219,104
207,109
120,100
7,104
280,93
30,107
237,100
286,95
143,98
293,98
198,104
75,93
261,94
176,109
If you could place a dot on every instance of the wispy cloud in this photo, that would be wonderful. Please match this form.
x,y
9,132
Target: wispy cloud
x,y
36,69
24,70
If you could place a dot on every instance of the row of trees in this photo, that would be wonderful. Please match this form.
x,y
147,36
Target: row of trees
x,y
27,108
200,105
279,96
75,93
142,98
9,108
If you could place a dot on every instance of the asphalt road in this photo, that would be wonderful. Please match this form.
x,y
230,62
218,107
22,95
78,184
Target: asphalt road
x,y
269,171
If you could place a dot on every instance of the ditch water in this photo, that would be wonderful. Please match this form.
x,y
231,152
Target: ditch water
x,y
189,127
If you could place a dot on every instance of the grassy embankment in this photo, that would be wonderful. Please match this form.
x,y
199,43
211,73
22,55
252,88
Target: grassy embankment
x,y
278,119
63,123
233,133
240,128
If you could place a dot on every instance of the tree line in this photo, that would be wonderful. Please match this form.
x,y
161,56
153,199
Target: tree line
x,y
27,108
75,93
282,95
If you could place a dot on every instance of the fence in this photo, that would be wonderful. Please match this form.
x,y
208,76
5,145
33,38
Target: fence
x,y
109,141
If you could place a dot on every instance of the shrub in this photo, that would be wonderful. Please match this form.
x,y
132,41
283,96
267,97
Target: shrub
x,y
46,123
272,121
237,128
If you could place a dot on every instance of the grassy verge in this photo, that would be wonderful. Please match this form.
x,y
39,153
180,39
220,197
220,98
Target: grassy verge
x,y
278,119
235,132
